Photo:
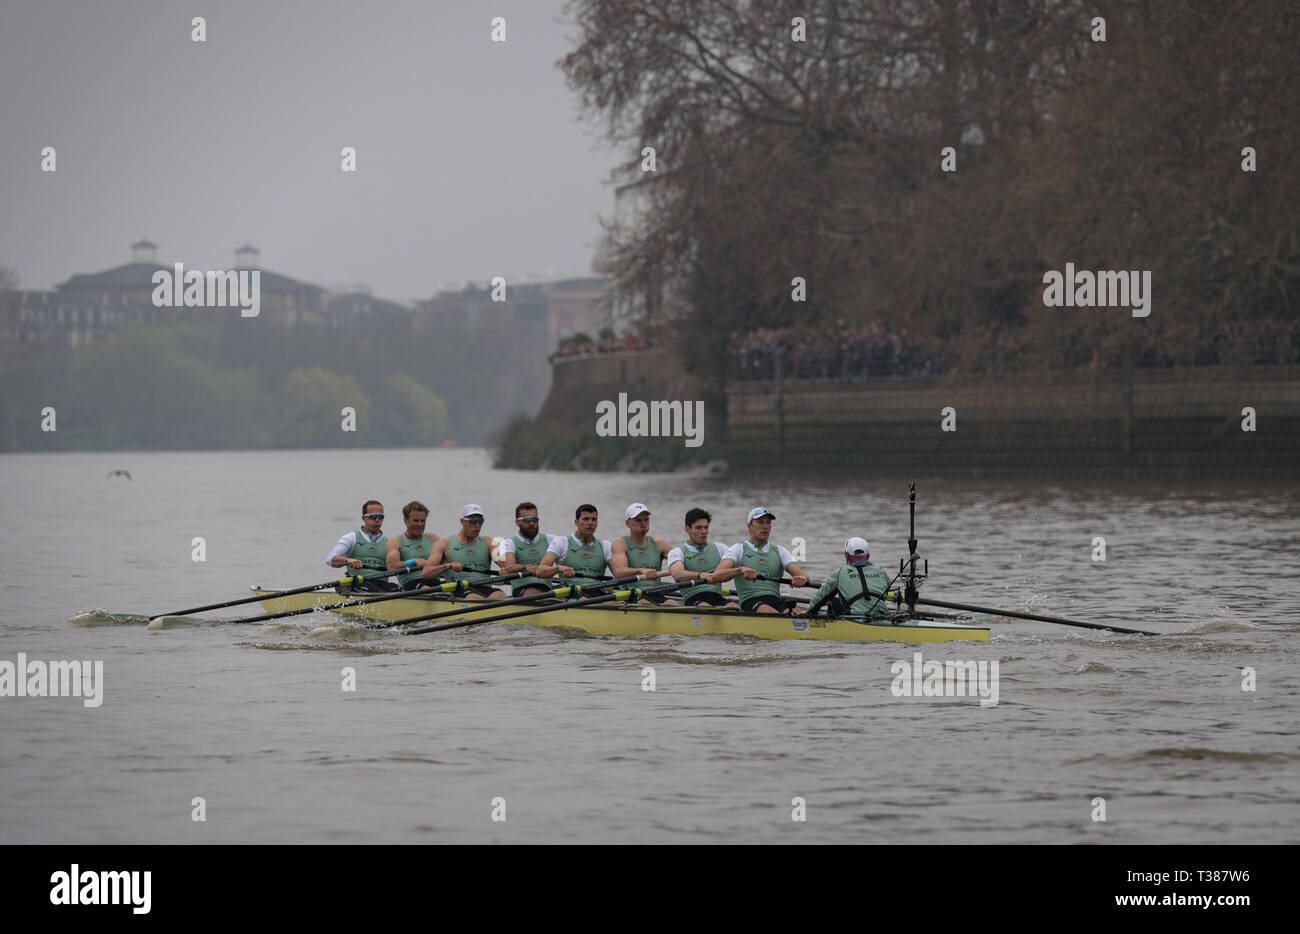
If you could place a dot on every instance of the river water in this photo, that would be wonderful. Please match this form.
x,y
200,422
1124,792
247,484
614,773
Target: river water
x,y
555,727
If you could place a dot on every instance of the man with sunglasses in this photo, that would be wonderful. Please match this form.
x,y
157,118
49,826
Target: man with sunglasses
x,y
525,551
466,556
366,549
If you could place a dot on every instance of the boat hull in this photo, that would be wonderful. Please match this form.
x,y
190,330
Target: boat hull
x,y
623,620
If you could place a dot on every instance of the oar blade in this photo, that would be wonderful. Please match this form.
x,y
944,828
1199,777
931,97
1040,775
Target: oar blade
x,y
105,618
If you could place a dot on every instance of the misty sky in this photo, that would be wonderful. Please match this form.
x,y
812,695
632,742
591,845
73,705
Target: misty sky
x,y
472,160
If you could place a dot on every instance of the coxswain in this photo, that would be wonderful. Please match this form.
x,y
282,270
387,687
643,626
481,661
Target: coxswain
x,y
764,596
414,544
465,556
365,549
848,591
699,557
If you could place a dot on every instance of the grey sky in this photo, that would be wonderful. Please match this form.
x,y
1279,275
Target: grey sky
x,y
471,158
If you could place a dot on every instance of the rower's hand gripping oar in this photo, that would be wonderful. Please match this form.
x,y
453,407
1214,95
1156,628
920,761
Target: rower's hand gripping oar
x,y
787,580
346,581
448,587
624,596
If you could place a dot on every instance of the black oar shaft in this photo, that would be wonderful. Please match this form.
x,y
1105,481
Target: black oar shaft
x,y
377,598
586,601
280,593
786,580
488,604
1036,617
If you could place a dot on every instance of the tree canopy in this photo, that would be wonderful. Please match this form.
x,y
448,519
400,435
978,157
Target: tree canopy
x,y
809,141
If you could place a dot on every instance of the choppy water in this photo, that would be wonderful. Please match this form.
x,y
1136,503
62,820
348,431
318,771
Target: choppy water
x,y
254,719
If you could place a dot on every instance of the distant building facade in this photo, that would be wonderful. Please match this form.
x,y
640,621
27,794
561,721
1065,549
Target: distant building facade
x,y
632,193
541,312
89,303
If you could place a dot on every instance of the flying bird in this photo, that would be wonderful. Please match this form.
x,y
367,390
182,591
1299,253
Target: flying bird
x,y
120,473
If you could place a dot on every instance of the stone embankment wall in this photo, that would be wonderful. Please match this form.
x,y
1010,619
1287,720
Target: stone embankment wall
x,y
1177,422
578,383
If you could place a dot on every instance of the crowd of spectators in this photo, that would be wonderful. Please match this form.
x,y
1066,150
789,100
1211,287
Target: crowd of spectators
x,y
836,351
581,345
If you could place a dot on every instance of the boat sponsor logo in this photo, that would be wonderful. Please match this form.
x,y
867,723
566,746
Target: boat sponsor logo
x,y
798,624
920,678
215,288
1105,288
39,678
637,419
87,887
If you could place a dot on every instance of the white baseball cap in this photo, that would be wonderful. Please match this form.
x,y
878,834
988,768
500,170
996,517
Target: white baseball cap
x,y
759,511
473,509
635,510
856,546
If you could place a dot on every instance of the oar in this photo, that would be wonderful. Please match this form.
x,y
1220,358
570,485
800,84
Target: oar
x,y
341,582
1015,614
506,601
1032,616
624,596
444,587
786,580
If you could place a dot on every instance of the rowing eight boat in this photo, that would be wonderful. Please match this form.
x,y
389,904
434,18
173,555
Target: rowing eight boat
x,y
639,620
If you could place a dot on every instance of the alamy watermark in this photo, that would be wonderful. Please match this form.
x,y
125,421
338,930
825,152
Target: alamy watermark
x,y
920,678
637,419
38,678
87,887
212,289
1105,288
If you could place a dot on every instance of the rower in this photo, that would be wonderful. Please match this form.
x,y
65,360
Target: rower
x,y
580,556
525,551
764,596
465,556
701,558
844,589
412,544
365,549
639,553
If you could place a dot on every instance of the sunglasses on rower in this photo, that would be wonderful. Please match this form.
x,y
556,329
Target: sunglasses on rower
x,y
373,515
